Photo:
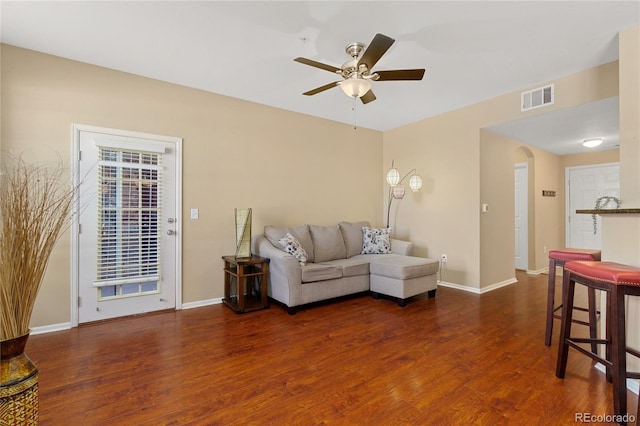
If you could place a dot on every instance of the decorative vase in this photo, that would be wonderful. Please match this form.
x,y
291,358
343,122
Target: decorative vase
x,y
18,384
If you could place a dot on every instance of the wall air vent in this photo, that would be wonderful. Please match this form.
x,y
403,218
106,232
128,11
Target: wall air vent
x,y
536,98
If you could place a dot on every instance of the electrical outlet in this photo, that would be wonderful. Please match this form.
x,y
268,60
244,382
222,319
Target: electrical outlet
x,y
443,258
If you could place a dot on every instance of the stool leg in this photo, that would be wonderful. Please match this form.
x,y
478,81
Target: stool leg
x,y
551,292
593,327
618,352
568,287
608,337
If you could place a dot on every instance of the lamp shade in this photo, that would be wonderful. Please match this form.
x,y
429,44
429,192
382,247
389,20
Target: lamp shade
x,y
398,192
393,177
354,86
415,183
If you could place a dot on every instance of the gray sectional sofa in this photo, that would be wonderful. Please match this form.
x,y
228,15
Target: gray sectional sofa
x,y
310,263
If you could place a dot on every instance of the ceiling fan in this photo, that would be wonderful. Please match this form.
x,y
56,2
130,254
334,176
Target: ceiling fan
x,y
357,73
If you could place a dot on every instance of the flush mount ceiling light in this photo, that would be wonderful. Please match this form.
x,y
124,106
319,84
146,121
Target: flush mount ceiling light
x,y
592,143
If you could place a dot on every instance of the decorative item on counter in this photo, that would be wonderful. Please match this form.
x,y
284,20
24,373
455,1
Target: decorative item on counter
x,y
602,203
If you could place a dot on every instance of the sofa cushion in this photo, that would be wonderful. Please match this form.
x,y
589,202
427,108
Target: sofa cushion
x,y
327,243
403,267
302,234
352,236
313,272
291,245
353,266
376,240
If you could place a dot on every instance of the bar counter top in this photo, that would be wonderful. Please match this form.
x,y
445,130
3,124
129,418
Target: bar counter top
x,y
609,211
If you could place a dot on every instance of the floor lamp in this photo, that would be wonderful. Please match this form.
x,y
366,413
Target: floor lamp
x,y
396,190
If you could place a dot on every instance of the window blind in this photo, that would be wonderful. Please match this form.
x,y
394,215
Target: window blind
x,y
129,216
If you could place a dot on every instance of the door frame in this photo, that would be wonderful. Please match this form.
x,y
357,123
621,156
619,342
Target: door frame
x,y
567,198
76,129
524,165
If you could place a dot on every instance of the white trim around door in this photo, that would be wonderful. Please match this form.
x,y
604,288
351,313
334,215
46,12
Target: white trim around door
x,y
176,144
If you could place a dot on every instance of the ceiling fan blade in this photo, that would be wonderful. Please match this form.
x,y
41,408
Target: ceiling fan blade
x,y
321,88
316,64
416,74
368,97
378,47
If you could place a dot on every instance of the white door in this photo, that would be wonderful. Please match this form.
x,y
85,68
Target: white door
x,y
521,216
584,186
126,247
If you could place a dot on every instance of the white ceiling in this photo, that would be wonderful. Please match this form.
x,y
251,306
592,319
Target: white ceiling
x,y
472,50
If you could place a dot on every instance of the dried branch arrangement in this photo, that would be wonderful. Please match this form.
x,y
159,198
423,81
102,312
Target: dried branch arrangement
x,y
35,207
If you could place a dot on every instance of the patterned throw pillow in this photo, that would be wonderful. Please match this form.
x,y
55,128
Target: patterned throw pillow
x,y
292,246
376,240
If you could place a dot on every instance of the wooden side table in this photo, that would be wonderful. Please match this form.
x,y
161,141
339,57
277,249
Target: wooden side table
x,y
245,283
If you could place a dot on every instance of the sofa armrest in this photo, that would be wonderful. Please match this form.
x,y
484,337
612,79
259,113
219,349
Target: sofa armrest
x,y
401,247
285,275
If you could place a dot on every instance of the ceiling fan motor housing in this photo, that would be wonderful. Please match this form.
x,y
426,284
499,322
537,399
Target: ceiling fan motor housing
x,y
354,49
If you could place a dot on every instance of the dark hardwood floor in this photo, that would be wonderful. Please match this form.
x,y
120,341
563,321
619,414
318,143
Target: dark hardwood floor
x,y
458,358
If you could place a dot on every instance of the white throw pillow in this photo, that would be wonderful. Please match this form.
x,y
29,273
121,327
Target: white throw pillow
x,y
292,246
376,240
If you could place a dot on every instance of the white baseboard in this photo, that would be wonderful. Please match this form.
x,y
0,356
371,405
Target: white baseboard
x,y
201,303
632,385
537,271
67,325
478,290
51,328
459,287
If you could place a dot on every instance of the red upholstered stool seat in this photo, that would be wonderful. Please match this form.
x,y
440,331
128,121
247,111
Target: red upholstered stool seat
x,y
559,258
615,273
574,254
618,281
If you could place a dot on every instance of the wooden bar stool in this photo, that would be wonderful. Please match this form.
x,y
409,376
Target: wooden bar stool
x,y
617,280
559,258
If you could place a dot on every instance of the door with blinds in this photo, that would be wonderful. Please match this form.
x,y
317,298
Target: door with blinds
x,y
127,237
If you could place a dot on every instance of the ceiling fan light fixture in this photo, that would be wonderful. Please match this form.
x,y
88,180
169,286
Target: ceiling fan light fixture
x,y
592,143
354,86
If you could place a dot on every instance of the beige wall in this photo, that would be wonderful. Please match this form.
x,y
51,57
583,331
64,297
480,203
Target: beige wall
x,y
445,218
629,42
290,168
494,233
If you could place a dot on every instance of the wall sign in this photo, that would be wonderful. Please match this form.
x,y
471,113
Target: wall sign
x,y
547,193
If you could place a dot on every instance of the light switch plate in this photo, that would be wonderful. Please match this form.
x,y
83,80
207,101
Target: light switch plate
x,y
194,213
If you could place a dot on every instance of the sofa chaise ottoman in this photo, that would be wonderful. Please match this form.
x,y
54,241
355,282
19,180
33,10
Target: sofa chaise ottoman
x,y
403,277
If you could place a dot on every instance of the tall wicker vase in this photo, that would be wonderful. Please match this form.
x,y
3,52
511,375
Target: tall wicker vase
x,y
18,384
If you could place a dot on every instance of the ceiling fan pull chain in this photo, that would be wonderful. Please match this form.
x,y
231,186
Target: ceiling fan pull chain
x,y
355,115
